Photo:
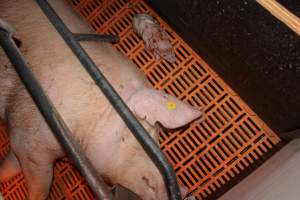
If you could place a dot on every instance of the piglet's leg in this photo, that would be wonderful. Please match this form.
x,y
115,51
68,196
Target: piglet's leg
x,y
38,176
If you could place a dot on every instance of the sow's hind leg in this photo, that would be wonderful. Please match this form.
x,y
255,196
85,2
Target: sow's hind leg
x,y
33,144
38,173
36,161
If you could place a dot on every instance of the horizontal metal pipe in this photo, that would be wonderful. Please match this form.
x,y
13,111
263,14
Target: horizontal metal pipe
x,y
133,124
95,37
52,117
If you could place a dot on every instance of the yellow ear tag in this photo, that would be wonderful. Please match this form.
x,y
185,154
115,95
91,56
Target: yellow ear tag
x,y
171,105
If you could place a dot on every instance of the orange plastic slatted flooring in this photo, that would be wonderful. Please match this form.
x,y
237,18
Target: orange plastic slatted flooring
x,y
205,156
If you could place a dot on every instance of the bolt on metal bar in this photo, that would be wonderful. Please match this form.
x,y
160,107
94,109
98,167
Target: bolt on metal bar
x,y
52,117
133,124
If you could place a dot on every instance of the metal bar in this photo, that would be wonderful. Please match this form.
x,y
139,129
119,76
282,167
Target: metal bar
x,y
133,124
52,117
95,37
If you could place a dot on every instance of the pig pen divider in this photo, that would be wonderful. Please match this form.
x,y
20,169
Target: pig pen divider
x,y
146,141
52,117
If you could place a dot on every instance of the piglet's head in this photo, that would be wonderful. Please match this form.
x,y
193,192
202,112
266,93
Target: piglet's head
x,y
156,107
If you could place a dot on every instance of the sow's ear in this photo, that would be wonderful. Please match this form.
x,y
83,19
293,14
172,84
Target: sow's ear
x,y
155,106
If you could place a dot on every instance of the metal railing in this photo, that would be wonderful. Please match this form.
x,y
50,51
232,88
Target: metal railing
x,y
52,117
58,126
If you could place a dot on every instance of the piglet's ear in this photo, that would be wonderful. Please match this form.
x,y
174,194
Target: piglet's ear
x,y
155,106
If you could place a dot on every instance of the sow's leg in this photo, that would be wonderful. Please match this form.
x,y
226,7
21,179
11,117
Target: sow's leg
x,y
34,145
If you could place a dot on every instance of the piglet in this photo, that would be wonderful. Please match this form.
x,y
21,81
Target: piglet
x,y
155,38
101,133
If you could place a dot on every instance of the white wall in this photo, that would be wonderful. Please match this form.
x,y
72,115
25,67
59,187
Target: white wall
x,y
277,179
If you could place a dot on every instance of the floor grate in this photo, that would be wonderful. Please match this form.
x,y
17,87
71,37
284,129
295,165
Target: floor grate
x,y
205,156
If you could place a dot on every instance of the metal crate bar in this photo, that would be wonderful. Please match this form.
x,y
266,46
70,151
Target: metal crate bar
x,y
52,117
133,124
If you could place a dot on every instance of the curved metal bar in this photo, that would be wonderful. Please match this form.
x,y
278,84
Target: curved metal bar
x,y
52,117
133,124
